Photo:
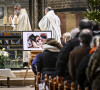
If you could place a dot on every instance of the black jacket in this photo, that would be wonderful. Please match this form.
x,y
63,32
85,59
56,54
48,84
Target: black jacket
x,y
81,73
63,57
47,62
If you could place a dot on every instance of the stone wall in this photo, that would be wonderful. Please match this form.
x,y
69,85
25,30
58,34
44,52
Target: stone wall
x,y
69,20
61,4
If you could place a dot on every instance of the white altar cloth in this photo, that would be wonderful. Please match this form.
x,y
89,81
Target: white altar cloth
x,y
7,73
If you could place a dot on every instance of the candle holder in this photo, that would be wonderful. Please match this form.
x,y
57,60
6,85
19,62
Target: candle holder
x,y
10,26
10,22
5,26
5,22
15,25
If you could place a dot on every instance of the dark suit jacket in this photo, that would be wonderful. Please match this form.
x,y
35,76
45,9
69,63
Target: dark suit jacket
x,y
75,57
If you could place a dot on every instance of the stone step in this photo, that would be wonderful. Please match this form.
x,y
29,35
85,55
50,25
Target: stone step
x,y
19,81
21,74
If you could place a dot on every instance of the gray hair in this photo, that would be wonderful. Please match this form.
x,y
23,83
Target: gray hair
x,y
95,41
74,31
85,36
66,37
18,5
48,8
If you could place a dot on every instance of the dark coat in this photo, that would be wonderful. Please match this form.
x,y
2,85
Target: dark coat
x,y
81,73
47,62
96,82
94,66
63,57
75,57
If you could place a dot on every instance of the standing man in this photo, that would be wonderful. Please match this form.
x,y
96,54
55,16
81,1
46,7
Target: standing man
x,y
23,19
23,25
51,22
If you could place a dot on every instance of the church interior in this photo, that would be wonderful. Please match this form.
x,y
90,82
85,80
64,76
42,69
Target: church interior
x,y
17,42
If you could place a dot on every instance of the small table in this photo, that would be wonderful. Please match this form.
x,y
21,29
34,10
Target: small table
x,y
7,73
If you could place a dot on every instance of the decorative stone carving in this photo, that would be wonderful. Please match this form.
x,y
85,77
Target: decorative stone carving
x,y
61,4
10,11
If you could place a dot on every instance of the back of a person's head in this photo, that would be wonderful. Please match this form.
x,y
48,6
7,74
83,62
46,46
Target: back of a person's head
x,y
85,36
95,41
18,5
48,8
85,24
95,26
74,32
66,37
53,42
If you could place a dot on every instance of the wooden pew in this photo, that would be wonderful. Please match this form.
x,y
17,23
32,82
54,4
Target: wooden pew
x,y
72,86
78,87
56,84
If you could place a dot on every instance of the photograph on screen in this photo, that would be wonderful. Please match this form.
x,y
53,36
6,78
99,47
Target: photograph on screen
x,y
35,40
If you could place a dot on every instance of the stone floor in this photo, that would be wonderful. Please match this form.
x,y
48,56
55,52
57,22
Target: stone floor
x,y
17,88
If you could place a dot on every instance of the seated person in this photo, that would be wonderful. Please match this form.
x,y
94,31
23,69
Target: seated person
x,y
93,68
65,38
81,71
34,64
47,59
77,54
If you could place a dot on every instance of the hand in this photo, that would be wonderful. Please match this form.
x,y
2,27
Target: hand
x,y
15,13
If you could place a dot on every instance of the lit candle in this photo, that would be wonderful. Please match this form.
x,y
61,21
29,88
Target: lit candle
x,y
5,20
16,20
10,20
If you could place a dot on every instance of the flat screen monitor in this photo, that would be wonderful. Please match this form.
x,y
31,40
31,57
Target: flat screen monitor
x,y
33,40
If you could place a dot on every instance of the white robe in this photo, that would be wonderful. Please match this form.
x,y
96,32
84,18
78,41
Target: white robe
x,y
23,22
23,25
26,56
51,22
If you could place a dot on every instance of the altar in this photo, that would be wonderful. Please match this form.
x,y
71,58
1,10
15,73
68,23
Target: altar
x,y
13,44
7,73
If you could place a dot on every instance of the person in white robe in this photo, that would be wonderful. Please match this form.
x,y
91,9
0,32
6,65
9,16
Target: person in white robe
x,y
51,22
23,25
23,19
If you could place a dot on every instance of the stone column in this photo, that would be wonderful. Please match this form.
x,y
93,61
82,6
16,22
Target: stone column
x,y
35,14
32,14
43,7
37,8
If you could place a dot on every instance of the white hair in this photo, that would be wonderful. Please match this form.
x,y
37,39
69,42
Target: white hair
x,y
66,37
18,5
74,31
48,8
95,41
